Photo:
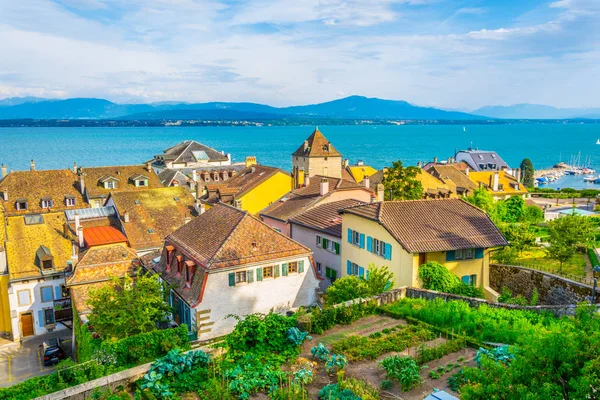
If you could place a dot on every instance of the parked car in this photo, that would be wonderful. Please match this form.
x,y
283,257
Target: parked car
x,y
53,351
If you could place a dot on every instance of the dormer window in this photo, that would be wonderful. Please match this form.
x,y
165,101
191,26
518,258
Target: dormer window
x,y
190,269
206,178
21,204
170,250
216,177
47,202
179,264
140,181
70,201
44,258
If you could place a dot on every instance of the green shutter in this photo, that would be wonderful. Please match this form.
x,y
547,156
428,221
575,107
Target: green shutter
x,y
284,269
450,255
259,274
276,271
250,275
479,253
324,243
327,273
337,248
301,266
232,279
333,274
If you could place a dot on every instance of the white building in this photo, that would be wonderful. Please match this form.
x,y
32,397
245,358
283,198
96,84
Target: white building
x,y
190,154
228,262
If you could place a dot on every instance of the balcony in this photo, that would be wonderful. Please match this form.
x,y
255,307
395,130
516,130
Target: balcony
x,y
63,310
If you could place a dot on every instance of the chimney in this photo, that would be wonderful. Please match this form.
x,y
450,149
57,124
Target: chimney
x,y
324,189
306,180
346,163
80,237
253,170
200,208
73,250
518,175
5,194
32,165
367,182
419,164
198,191
449,160
380,190
360,163
77,223
4,173
81,182
194,175
435,160
467,171
74,167
126,217
496,181
250,161
149,166
305,145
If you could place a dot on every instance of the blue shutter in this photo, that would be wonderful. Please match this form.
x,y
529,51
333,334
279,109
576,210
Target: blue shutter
x,y
478,253
362,240
57,293
370,244
349,267
41,318
466,279
232,279
349,235
187,318
361,272
300,266
52,321
450,255
388,251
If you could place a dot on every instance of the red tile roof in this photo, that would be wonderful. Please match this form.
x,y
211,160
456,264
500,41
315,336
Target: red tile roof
x,y
422,226
101,235
326,217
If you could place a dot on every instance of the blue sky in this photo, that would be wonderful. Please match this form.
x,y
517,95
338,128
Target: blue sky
x,y
459,54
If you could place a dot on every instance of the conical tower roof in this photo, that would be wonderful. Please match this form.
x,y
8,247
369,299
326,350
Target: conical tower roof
x,y
316,145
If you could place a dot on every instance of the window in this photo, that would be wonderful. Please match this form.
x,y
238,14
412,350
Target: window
x,y
330,273
356,237
240,277
319,268
47,203
70,201
46,294
268,272
355,269
110,185
141,182
21,204
465,254
318,240
379,247
469,280
293,267
24,297
216,177
48,316
47,264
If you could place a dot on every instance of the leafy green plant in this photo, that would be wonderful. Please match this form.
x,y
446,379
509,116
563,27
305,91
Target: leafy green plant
x,y
435,276
404,369
375,335
456,380
334,392
499,354
386,331
296,337
385,384
434,374
262,333
320,351
303,377
335,363
360,388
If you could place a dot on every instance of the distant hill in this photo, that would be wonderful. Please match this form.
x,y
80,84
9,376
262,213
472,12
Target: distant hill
x,y
353,107
536,111
15,101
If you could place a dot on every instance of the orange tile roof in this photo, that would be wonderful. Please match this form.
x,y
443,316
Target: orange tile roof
x,y
507,184
123,173
101,235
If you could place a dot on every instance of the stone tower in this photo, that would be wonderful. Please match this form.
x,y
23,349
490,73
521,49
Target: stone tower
x,y
316,156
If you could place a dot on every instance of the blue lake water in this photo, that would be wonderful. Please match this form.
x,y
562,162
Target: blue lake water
x,y
544,144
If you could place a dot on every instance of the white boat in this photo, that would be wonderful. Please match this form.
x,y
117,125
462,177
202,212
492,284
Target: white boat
x,y
598,141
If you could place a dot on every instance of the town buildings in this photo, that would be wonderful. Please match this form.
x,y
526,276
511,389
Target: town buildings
x,y
406,234
227,261
316,156
500,184
482,160
190,154
451,175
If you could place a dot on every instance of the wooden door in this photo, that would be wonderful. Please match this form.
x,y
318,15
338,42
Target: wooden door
x,y
422,258
27,324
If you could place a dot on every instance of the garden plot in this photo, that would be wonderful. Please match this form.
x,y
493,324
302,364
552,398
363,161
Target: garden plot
x,y
362,327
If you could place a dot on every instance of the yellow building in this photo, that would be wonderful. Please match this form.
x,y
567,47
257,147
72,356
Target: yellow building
x,y
500,184
433,187
406,234
5,328
360,171
252,190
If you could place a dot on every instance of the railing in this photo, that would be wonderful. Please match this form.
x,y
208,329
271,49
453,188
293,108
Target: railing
x,y
63,310
63,303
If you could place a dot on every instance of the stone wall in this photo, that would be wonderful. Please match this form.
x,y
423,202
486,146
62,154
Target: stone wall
x,y
552,289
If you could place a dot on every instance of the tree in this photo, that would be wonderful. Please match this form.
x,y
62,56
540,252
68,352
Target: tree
x,y
483,199
380,280
520,236
565,234
437,277
533,214
527,172
401,183
127,307
353,287
515,209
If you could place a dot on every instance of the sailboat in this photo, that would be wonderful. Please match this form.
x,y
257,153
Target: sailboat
x,y
598,141
465,129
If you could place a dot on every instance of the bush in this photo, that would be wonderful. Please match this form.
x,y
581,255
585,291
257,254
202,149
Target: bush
x,y
426,354
435,276
334,392
261,333
353,287
404,369
321,352
360,388
328,317
385,384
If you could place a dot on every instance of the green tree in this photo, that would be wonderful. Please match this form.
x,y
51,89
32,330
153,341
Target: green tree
x,y
514,209
435,276
565,234
401,183
533,214
127,307
520,236
380,280
353,287
527,172
483,199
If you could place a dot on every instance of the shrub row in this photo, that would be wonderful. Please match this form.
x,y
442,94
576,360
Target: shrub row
x,y
426,354
319,320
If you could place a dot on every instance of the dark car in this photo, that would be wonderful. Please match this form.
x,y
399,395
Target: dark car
x,y
53,351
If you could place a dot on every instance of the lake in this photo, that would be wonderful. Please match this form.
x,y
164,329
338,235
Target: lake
x,y
378,146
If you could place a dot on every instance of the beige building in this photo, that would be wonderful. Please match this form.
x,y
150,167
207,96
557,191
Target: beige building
x,y
316,156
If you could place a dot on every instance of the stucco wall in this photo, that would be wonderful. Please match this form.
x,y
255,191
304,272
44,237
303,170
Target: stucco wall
x,y
552,289
317,165
281,226
279,294
5,325
308,237
266,193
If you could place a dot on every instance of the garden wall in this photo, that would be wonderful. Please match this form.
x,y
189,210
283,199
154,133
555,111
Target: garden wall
x,y
552,289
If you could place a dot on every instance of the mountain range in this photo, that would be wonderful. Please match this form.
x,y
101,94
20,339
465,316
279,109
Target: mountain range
x,y
353,107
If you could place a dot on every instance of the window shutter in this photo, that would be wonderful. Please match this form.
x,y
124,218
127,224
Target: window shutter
x,y
41,318
349,267
327,273
474,280
52,321
362,240
478,253
284,269
337,248
466,279
57,292
450,255
276,271
259,274
349,235
361,272
370,244
232,279
301,266
250,275
333,274
187,316
388,251
324,243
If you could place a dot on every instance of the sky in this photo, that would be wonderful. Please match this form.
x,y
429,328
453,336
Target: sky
x,y
455,54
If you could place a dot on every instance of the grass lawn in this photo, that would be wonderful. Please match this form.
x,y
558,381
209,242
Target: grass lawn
x,y
536,259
